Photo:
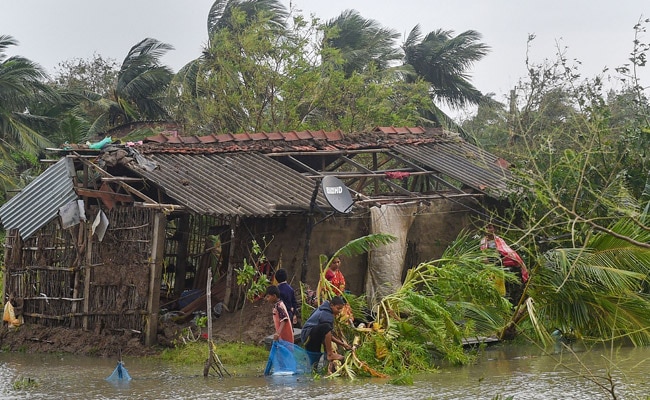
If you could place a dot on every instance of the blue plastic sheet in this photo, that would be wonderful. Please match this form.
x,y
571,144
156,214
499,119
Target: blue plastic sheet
x,y
119,373
287,359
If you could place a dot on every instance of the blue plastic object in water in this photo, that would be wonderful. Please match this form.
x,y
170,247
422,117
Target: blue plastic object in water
x,y
119,373
287,359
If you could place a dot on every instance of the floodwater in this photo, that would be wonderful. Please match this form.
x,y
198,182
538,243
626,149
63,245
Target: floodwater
x,y
524,373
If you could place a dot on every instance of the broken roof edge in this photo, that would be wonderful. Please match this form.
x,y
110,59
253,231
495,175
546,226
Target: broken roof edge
x,y
39,202
292,141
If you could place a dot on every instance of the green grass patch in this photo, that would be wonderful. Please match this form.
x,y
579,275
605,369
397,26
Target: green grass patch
x,y
230,354
24,384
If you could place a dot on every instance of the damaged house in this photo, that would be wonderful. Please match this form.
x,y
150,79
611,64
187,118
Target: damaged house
x,y
105,239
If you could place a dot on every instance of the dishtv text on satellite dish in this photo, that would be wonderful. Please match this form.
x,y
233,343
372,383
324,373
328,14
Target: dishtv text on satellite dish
x,y
334,190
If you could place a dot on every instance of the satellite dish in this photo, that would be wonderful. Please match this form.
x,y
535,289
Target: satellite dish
x,y
337,194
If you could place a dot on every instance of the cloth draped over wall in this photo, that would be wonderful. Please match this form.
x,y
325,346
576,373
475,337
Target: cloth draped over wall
x,y
385,263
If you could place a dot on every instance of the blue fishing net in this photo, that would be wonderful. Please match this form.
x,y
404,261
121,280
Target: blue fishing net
x,y
288,359
119,373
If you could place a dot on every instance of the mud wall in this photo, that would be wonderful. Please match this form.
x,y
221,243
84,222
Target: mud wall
x,y
435,226
286,239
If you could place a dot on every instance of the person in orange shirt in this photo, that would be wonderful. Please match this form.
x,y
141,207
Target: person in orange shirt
x,y
283,328
335,276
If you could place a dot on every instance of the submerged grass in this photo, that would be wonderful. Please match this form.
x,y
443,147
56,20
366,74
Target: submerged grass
x,y
230,354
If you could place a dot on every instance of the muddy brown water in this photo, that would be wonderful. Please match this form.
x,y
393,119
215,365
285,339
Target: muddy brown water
x,y
521,372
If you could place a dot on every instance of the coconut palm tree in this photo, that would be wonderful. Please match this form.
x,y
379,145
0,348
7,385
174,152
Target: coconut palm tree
x,y
21,89
599,290
21,84
221,15
142,80
140,88
443,59
438,58
247,42
362,42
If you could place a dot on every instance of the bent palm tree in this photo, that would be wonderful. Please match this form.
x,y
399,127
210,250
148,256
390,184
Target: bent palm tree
x,y
599,290
362,42
21,84
140,88
221,14
21,87
142,80
190,86
442,60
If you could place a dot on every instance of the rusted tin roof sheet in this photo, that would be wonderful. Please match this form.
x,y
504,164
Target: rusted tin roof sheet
x,y
39,202
463,162
226,185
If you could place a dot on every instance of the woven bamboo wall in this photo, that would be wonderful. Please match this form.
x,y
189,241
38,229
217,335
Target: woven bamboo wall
x,y
49,272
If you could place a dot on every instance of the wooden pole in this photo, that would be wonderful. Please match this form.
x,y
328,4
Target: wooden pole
x,y
183,237
208,295
234,224
155,274
8,265
213,362
87,274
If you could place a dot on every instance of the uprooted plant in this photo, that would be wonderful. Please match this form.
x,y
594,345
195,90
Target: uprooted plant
x,y
423,323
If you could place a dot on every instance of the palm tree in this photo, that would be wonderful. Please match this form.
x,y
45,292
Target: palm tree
x,y
142,80
221,13
21,88
362,42
598,290
442,60
439,59
21,84
139,92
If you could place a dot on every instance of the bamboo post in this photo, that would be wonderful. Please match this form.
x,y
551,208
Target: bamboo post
x,y
213,361
87,276
208,299
9,256
156,257
231,257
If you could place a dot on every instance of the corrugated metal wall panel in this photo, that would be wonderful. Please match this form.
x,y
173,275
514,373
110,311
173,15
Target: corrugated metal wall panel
x,y
244,184
39,202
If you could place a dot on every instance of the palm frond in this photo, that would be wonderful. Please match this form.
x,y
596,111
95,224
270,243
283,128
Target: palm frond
x,y
364,244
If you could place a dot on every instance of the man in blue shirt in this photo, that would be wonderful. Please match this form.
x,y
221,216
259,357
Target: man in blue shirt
x,y
287,294
317,331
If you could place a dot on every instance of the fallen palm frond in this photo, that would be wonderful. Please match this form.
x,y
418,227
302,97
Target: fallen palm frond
x,y
424,322
351,365
599,290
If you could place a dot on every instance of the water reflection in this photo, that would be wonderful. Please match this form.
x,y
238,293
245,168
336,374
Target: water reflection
x,y
524,373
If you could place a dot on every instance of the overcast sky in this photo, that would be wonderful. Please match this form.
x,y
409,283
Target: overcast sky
x,y
598,33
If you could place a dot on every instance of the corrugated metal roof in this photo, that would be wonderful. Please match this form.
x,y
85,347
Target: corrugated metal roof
x,y
433,147
244,184
464,162
39,202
